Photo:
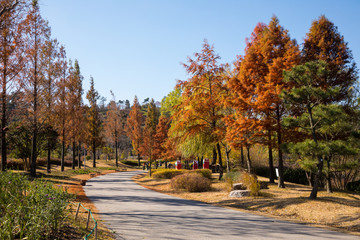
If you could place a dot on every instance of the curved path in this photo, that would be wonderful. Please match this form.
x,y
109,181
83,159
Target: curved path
x,y
134,212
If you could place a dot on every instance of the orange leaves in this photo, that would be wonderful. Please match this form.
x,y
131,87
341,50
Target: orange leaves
x,y
133,125
256,87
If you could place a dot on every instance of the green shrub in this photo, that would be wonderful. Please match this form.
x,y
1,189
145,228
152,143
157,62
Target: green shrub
x,y
190,182
251,183
30,209
231,178
204,172
166,173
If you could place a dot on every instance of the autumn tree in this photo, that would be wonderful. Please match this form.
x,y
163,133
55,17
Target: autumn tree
x,y
61,103
94,138
113,125
134,127
7,6
324,42
161,136
148,144
75,109
35,28
200,109
269,52
11,62
50,54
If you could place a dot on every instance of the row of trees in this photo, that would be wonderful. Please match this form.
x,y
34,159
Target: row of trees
x,y
300,100
41,98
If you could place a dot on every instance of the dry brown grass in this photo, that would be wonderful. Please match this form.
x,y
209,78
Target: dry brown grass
x,y
337,211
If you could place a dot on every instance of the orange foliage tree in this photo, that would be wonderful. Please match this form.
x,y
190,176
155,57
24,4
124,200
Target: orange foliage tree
x,y
113,125
258,84
11,63
200,111
133,127
147,147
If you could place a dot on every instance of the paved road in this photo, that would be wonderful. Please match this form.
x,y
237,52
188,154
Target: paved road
x,y
134,212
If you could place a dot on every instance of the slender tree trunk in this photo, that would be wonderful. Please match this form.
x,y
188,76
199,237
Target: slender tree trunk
x,y
227,151
116,154
3,124
242,156
314,191
281,183
79,155
213,163
150,173
33,153
63,155
328,176
73,155
248,159
94,155
35,132
48,168
271,162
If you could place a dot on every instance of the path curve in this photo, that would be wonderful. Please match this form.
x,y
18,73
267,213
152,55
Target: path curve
x,y
134,212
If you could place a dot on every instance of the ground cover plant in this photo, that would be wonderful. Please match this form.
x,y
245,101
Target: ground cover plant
x,y
30,209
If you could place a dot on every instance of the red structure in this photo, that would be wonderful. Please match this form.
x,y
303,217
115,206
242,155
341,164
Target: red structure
x,y
178,164
206,163
195,164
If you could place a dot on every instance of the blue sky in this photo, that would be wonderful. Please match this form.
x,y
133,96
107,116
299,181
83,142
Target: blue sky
x,y
135,47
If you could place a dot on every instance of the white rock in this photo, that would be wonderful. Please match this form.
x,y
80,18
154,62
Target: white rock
x,y
239,193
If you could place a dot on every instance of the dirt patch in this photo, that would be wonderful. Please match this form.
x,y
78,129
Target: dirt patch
x,y
336,211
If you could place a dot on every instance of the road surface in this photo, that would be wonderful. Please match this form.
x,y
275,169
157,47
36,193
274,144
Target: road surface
x,y
134,213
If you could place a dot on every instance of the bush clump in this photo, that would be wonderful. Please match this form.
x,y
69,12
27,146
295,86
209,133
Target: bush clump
x,y
166,173
30,209
190,182
251,183
204,172
231,178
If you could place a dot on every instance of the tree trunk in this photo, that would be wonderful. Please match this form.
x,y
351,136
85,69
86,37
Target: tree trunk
x,y
271,161
328,176
318,175
150,173
33,153
48,168
313,194
281,183
214,157
116,154
79,155
3,127
94,157
227,151
242,156
248,159
63,156
73,155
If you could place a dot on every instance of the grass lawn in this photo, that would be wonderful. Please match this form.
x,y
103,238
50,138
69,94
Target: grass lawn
x,y
338,211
